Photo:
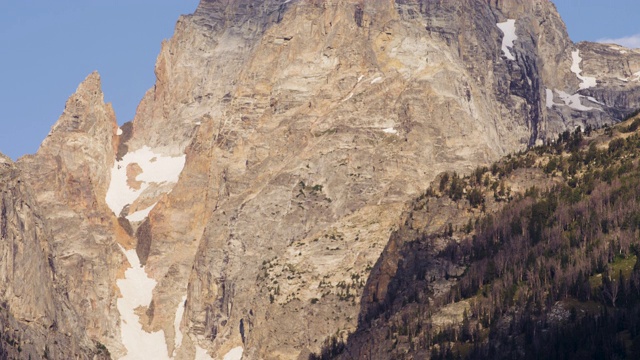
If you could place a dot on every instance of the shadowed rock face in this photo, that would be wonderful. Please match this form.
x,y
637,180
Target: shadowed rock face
x,y
307,125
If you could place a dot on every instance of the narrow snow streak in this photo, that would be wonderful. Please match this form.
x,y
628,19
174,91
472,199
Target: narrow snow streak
x,y
142,214
550,102
390,130
593,100
508,28
137,290
155,169
587,82
176,323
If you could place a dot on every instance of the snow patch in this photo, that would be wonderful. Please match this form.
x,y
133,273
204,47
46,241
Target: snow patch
x,y
573,101
176,323
137,290
390,130
201,354
376,80
155,169
550,102
234,354
142,214
119,132
508,28
587,82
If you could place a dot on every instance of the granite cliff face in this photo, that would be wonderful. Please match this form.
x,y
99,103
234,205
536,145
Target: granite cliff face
x,y
264,172
36,316
69,176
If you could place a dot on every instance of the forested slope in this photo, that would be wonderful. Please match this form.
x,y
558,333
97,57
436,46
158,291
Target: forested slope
x,y
533,257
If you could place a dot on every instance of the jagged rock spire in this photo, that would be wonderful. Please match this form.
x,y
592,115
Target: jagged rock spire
x,y
85,111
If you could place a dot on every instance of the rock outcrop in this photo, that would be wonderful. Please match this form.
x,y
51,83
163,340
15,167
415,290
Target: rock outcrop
x,y
69,176
36,316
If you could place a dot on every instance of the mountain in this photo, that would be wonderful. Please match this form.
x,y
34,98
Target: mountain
x,y
533,257
242,211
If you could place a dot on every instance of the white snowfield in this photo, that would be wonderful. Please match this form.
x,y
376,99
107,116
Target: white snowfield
x,y
155,169
390,130
509,30
137,290
573,101
587,82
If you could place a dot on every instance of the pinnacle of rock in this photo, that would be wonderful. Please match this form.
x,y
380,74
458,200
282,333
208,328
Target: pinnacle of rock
x,y
84,108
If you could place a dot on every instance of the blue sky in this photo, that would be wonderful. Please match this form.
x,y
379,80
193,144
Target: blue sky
x,y
601,20
49,47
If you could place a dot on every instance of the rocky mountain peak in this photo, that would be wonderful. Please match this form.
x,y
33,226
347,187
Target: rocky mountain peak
x,y
69,176
85,111
5,160
85,136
